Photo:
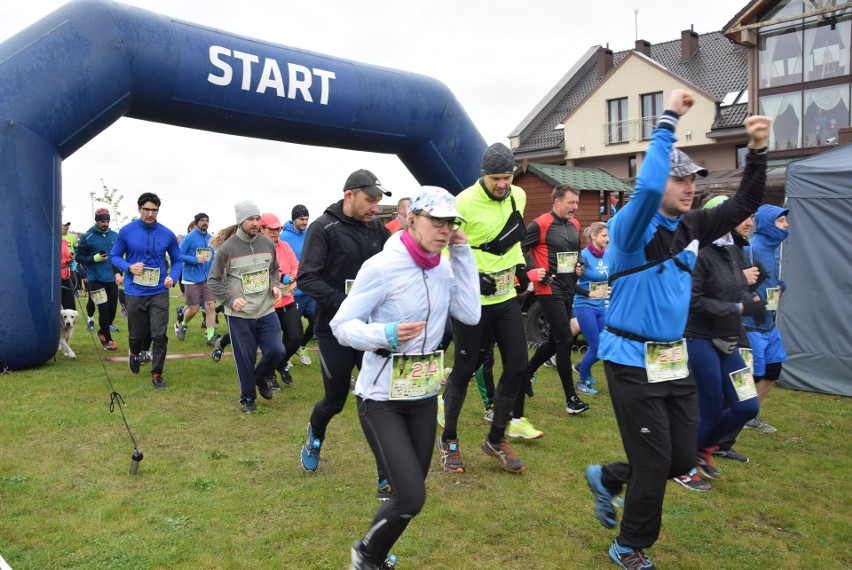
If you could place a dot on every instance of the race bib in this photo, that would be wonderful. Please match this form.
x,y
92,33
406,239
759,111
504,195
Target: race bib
x,y
773,295
99,296
743,382
285,290
598,285
666,361
505,281
416,376
204,254
347,287
256,281
566,261
150,277
748,357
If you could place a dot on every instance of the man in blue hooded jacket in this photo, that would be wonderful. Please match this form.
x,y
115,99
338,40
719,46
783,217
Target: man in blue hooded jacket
x,y
770,229
293,234
654,243
140,253
93,252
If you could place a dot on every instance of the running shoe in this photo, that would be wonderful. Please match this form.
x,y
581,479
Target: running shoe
x,y
146,356
273,384
504,454
692,481
180,331
705,463
604,506
303,356
731,454
90,325
311,452
216,353
488,416
583,388
157,381
179,313
383,490
286,377
214,341
589,381
133,362
109,345
113,328
247,406
449,455
630,558
528,390
264,389
575,405
551,362
523,429
358,562
760,426
441,411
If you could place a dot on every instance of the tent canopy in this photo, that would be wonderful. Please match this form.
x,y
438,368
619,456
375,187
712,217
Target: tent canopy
x,y
815,315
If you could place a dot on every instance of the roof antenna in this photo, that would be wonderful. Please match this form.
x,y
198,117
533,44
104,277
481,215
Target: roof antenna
x,y
636,23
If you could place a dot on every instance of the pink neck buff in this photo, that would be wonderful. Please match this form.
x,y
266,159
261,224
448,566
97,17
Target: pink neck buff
x,y
423,259
595,251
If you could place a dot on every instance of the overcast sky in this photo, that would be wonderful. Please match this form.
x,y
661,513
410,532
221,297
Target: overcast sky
x,y
499,58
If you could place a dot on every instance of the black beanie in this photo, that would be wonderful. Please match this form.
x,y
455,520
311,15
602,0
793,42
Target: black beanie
x,y
498,159
299,210
199,216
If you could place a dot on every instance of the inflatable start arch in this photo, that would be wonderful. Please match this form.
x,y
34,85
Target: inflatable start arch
x,y
69,76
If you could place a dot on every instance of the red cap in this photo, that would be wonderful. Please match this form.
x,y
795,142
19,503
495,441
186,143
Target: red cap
x,y
270,221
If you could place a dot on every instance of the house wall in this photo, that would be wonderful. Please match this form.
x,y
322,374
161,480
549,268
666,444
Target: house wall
x,y
635,76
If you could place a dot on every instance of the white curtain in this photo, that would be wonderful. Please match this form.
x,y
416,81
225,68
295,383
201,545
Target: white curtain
x,y
776,105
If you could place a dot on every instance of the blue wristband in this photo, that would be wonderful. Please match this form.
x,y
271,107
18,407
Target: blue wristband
x,y
392,333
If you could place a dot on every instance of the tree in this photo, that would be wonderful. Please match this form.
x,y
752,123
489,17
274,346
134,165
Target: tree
x,y
112,197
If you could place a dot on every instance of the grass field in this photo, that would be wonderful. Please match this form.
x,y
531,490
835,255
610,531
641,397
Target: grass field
x,y
222,489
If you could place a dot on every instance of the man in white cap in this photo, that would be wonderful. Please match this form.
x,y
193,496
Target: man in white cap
x,y
244,277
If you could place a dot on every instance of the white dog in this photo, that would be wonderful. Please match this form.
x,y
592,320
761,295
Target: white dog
x,y
67,318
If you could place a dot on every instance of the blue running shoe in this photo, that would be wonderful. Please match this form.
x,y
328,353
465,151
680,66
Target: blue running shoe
x,y
630,558
590,380
112,329
311,452
586,389
604,509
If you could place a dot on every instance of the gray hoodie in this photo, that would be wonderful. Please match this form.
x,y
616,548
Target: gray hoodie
x,y
245,267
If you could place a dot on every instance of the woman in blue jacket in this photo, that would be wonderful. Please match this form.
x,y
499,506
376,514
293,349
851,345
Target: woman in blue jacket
x,y
590,300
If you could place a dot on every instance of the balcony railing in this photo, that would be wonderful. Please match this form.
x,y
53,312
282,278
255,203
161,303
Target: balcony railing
x,y
629,130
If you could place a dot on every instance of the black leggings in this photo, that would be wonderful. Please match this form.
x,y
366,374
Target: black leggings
x,y
401,435
337,363
291,329
67,296
557,311
106,311
504,323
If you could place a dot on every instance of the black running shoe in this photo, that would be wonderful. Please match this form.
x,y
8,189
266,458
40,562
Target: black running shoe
x,y
133,361
273,384
157,381
265,390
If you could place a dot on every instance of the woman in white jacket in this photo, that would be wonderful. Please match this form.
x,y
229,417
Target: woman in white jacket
x,y
396,312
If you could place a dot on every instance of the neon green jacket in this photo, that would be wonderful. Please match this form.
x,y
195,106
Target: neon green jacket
x,y
485,218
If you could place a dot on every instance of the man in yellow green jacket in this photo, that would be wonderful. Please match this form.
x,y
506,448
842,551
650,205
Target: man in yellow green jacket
x,y
494,212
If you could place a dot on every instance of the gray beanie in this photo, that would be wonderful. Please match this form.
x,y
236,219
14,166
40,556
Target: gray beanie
x,y
498,159
245,209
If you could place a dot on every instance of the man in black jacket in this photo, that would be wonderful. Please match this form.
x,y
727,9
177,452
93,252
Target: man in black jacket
x,y
336,245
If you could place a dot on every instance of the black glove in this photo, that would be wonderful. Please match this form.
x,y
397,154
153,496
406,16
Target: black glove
x,y
523,278
487,285
753,308
547,279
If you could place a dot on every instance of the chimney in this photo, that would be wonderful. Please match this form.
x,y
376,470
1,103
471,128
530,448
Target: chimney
x,y
644,47
604,60
688,44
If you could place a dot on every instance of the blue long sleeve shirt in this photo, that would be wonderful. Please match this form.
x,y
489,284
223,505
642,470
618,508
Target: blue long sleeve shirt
x,y
137,241
194,272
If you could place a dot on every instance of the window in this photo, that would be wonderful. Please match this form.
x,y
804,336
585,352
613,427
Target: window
x,y
825,110
617,125
652,107
631,166
786,111
781,58
827,49
742,151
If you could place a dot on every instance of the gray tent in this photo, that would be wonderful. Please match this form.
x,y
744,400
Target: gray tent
x,y
815,316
